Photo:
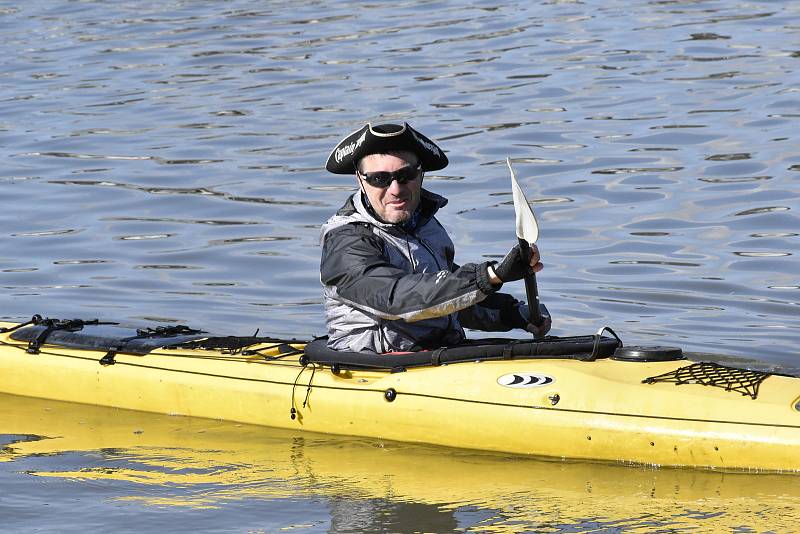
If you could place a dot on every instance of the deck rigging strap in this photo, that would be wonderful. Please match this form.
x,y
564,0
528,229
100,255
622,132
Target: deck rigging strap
x,y
53,325
240,344
147,333
33,320
712,374
163,331
96,335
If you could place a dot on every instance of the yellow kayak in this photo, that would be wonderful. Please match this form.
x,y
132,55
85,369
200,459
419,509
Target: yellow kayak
x,y
588,405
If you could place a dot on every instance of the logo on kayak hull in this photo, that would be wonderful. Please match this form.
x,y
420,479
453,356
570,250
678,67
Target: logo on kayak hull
x,y
525,380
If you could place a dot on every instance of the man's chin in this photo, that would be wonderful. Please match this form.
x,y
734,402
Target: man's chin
x,y
397,216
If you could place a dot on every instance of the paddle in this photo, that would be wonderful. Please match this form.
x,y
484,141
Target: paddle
x,y
527,232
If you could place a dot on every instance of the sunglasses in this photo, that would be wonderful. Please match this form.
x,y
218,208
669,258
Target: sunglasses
x,y
383,179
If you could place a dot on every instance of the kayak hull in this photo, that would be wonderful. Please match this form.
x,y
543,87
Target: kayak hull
x,y
600,410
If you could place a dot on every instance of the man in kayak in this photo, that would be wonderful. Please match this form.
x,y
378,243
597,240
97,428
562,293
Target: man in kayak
x,y
387,267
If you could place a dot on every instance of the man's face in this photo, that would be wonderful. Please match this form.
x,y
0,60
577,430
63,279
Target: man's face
x,y
396,202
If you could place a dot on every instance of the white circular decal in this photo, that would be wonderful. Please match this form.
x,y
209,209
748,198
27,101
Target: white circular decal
x,y
525,380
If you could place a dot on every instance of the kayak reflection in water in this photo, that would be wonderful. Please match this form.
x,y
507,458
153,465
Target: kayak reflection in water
x,y
390,282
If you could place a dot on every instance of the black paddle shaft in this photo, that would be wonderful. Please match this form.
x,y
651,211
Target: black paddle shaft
x,y
531,289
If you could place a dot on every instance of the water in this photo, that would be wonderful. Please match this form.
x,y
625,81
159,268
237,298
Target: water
x,y
163,163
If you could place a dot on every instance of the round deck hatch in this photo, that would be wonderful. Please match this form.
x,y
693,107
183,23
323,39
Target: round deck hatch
x,y
647,354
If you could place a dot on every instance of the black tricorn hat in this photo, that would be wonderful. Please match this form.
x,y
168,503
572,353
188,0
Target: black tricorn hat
x,y
381,139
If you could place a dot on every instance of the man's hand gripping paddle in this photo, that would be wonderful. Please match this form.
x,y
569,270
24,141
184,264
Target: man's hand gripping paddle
x,y
527,232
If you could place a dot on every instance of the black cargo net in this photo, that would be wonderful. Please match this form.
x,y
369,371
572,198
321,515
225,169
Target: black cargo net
x,y
715,375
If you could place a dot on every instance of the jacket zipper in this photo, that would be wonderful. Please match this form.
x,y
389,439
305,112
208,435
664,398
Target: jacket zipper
x,y
427,247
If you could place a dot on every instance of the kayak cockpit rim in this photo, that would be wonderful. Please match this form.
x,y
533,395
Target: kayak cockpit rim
x,y
584,348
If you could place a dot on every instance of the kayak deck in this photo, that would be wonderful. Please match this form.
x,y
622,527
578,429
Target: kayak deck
x,y
600,410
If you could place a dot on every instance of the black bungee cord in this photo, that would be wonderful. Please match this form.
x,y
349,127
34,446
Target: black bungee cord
x,y
293,410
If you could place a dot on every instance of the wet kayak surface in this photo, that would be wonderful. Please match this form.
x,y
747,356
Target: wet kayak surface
x,y
163,163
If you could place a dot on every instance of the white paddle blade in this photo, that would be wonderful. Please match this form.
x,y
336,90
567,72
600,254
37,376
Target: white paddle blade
x,y
527,227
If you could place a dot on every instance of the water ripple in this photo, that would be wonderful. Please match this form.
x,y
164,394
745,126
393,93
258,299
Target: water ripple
x,y
164,164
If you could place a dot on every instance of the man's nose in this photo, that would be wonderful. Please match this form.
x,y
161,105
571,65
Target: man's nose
x,y
395,187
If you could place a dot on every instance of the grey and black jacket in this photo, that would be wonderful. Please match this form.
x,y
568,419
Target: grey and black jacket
x,y
390,289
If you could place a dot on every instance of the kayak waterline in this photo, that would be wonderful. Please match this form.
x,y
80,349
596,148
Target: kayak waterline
x,y
196,463
534,399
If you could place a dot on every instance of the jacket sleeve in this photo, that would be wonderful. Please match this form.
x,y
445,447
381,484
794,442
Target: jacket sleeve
x,y
355,264
491,314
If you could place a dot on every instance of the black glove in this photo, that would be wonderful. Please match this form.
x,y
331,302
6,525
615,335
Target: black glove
x,y
513,266
517,315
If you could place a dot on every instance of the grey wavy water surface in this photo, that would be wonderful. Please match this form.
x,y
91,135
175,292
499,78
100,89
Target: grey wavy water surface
x,y
163,161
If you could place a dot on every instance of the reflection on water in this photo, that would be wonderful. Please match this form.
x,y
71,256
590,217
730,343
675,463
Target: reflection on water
x,y
148,464
163,162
